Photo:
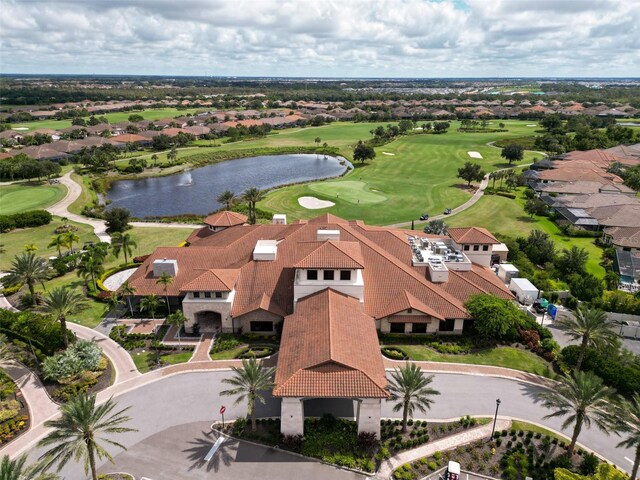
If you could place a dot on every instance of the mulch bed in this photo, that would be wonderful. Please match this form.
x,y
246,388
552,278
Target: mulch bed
x,y
23,416
105,380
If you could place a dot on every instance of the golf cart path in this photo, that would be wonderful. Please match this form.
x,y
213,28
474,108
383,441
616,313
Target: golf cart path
x,y
74,190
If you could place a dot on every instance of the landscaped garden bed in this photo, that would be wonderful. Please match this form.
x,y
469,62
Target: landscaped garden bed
x,y
148,351
14,414
512,455
227,346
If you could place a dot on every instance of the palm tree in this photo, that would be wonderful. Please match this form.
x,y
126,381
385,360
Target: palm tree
x,y
227,197
165,280
30,247
70,239
154,157
585,399
177,319
172,155
7,356
122,242
62,302
89,268
151,303
27,269
247,383
252,196
15,470
128,290
410,387
629,423
591,327
76,434
58,241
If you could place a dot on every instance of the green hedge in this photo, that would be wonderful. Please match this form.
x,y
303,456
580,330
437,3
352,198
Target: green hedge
x,y
394,353
31,218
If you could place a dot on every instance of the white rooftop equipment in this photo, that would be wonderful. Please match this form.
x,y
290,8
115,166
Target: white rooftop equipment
x,y
524,290
279,219
323,235
265,250
507,271
168,266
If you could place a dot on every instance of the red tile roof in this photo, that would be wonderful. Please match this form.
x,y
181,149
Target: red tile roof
x,y
472,235
333,254
225,219
317,357
214,280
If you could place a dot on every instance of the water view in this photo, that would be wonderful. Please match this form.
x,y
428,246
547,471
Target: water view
x,y
195,191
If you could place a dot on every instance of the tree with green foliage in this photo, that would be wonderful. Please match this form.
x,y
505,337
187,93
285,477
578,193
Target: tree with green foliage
x,y
409,387
573,260
154,159
77,433
226,198
512,152
538,247
585,286
17,470
471,172
151,303
62,302
90,267
7,355
27,269
247,382
122,242
117,220
252,196
172,154
177,319
604,471
551,123
631,178
70,238
584,400
406,125
494,317
535,206
363,152
628,423
440,127
135,118
57,242
165,280
591,327
128,291
436,227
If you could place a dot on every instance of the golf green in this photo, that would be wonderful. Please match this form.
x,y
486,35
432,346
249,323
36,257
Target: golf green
x,y
22,197
349,191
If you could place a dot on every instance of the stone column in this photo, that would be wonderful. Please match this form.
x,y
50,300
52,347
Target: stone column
x,y
292,416
369,416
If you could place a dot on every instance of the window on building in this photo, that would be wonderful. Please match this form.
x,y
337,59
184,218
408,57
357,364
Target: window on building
x,y
345,274
261,326
328,274
397,328
196,294
207,294
447,325
626,249
485,248
465,247
476,248
312,274
419,328
218,294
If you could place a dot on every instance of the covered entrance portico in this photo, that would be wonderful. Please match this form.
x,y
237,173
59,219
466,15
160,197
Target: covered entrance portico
x,y
208,322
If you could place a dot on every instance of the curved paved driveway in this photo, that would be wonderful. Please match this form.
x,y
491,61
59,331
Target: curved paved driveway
x,y
192,398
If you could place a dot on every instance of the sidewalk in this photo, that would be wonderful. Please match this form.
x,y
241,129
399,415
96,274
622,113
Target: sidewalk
x,y
40,405
447,443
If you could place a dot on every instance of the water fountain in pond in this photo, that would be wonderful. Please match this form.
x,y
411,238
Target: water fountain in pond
x,y
186,179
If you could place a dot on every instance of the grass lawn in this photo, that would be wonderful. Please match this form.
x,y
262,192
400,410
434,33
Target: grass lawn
x,y
506,216
142,361
509,357
87,197
176,358
29,196
228,354
419,177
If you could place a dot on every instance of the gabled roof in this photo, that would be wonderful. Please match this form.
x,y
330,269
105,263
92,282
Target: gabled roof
x,y
225,219
317,357
334,254
406,300
329,219
263,302
213,280
471,235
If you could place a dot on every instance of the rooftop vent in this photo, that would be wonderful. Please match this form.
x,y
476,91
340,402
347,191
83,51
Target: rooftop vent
x,y
323,235
170,267
265,250
279,219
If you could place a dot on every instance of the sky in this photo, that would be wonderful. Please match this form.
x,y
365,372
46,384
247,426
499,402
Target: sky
x,y
323,38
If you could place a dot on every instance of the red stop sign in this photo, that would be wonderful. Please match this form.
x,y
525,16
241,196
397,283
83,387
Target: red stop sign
x,y
222,409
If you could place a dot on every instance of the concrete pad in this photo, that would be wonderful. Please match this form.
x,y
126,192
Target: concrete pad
x,y
474,154
114,281
313,203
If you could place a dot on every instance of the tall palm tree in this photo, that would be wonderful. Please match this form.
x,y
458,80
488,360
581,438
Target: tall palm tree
x,y
62,302
150,303
165,280
70,239
89,268
584,399
27,269
78,433
122,242
591,327
7,356
227,197
247,383
629,423
177,319
154,157
128,290
410,388
57,242
172,155
252,196
16,470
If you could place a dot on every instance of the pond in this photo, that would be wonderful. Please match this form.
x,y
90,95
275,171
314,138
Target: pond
x,y
195,191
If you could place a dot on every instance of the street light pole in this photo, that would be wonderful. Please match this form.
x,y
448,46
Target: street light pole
x,y
495,418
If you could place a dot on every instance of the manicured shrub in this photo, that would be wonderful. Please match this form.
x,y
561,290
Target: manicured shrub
x,y
79,357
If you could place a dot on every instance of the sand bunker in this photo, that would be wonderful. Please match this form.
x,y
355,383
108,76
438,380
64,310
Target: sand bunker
x,y
387,153
474,154
313,203
532,125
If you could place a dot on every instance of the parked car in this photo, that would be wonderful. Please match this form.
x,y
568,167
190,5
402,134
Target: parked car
x,y
424,216
453,471
447,211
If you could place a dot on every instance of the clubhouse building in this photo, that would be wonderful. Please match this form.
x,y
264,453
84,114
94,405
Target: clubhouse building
x,y
327,285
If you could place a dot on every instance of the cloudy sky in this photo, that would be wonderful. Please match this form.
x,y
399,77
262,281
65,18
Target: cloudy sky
x,y
322,38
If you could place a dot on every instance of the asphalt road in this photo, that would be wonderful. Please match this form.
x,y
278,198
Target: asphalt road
x,y
193,398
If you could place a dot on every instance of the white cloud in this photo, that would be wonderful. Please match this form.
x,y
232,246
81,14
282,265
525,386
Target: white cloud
x,y
418,38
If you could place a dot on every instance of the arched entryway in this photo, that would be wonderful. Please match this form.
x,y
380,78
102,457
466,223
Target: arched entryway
x,y
338,407
208,321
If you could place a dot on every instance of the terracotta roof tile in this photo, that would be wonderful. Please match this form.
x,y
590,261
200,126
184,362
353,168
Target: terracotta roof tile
x,y
225,219
472,235
333,254
214,280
